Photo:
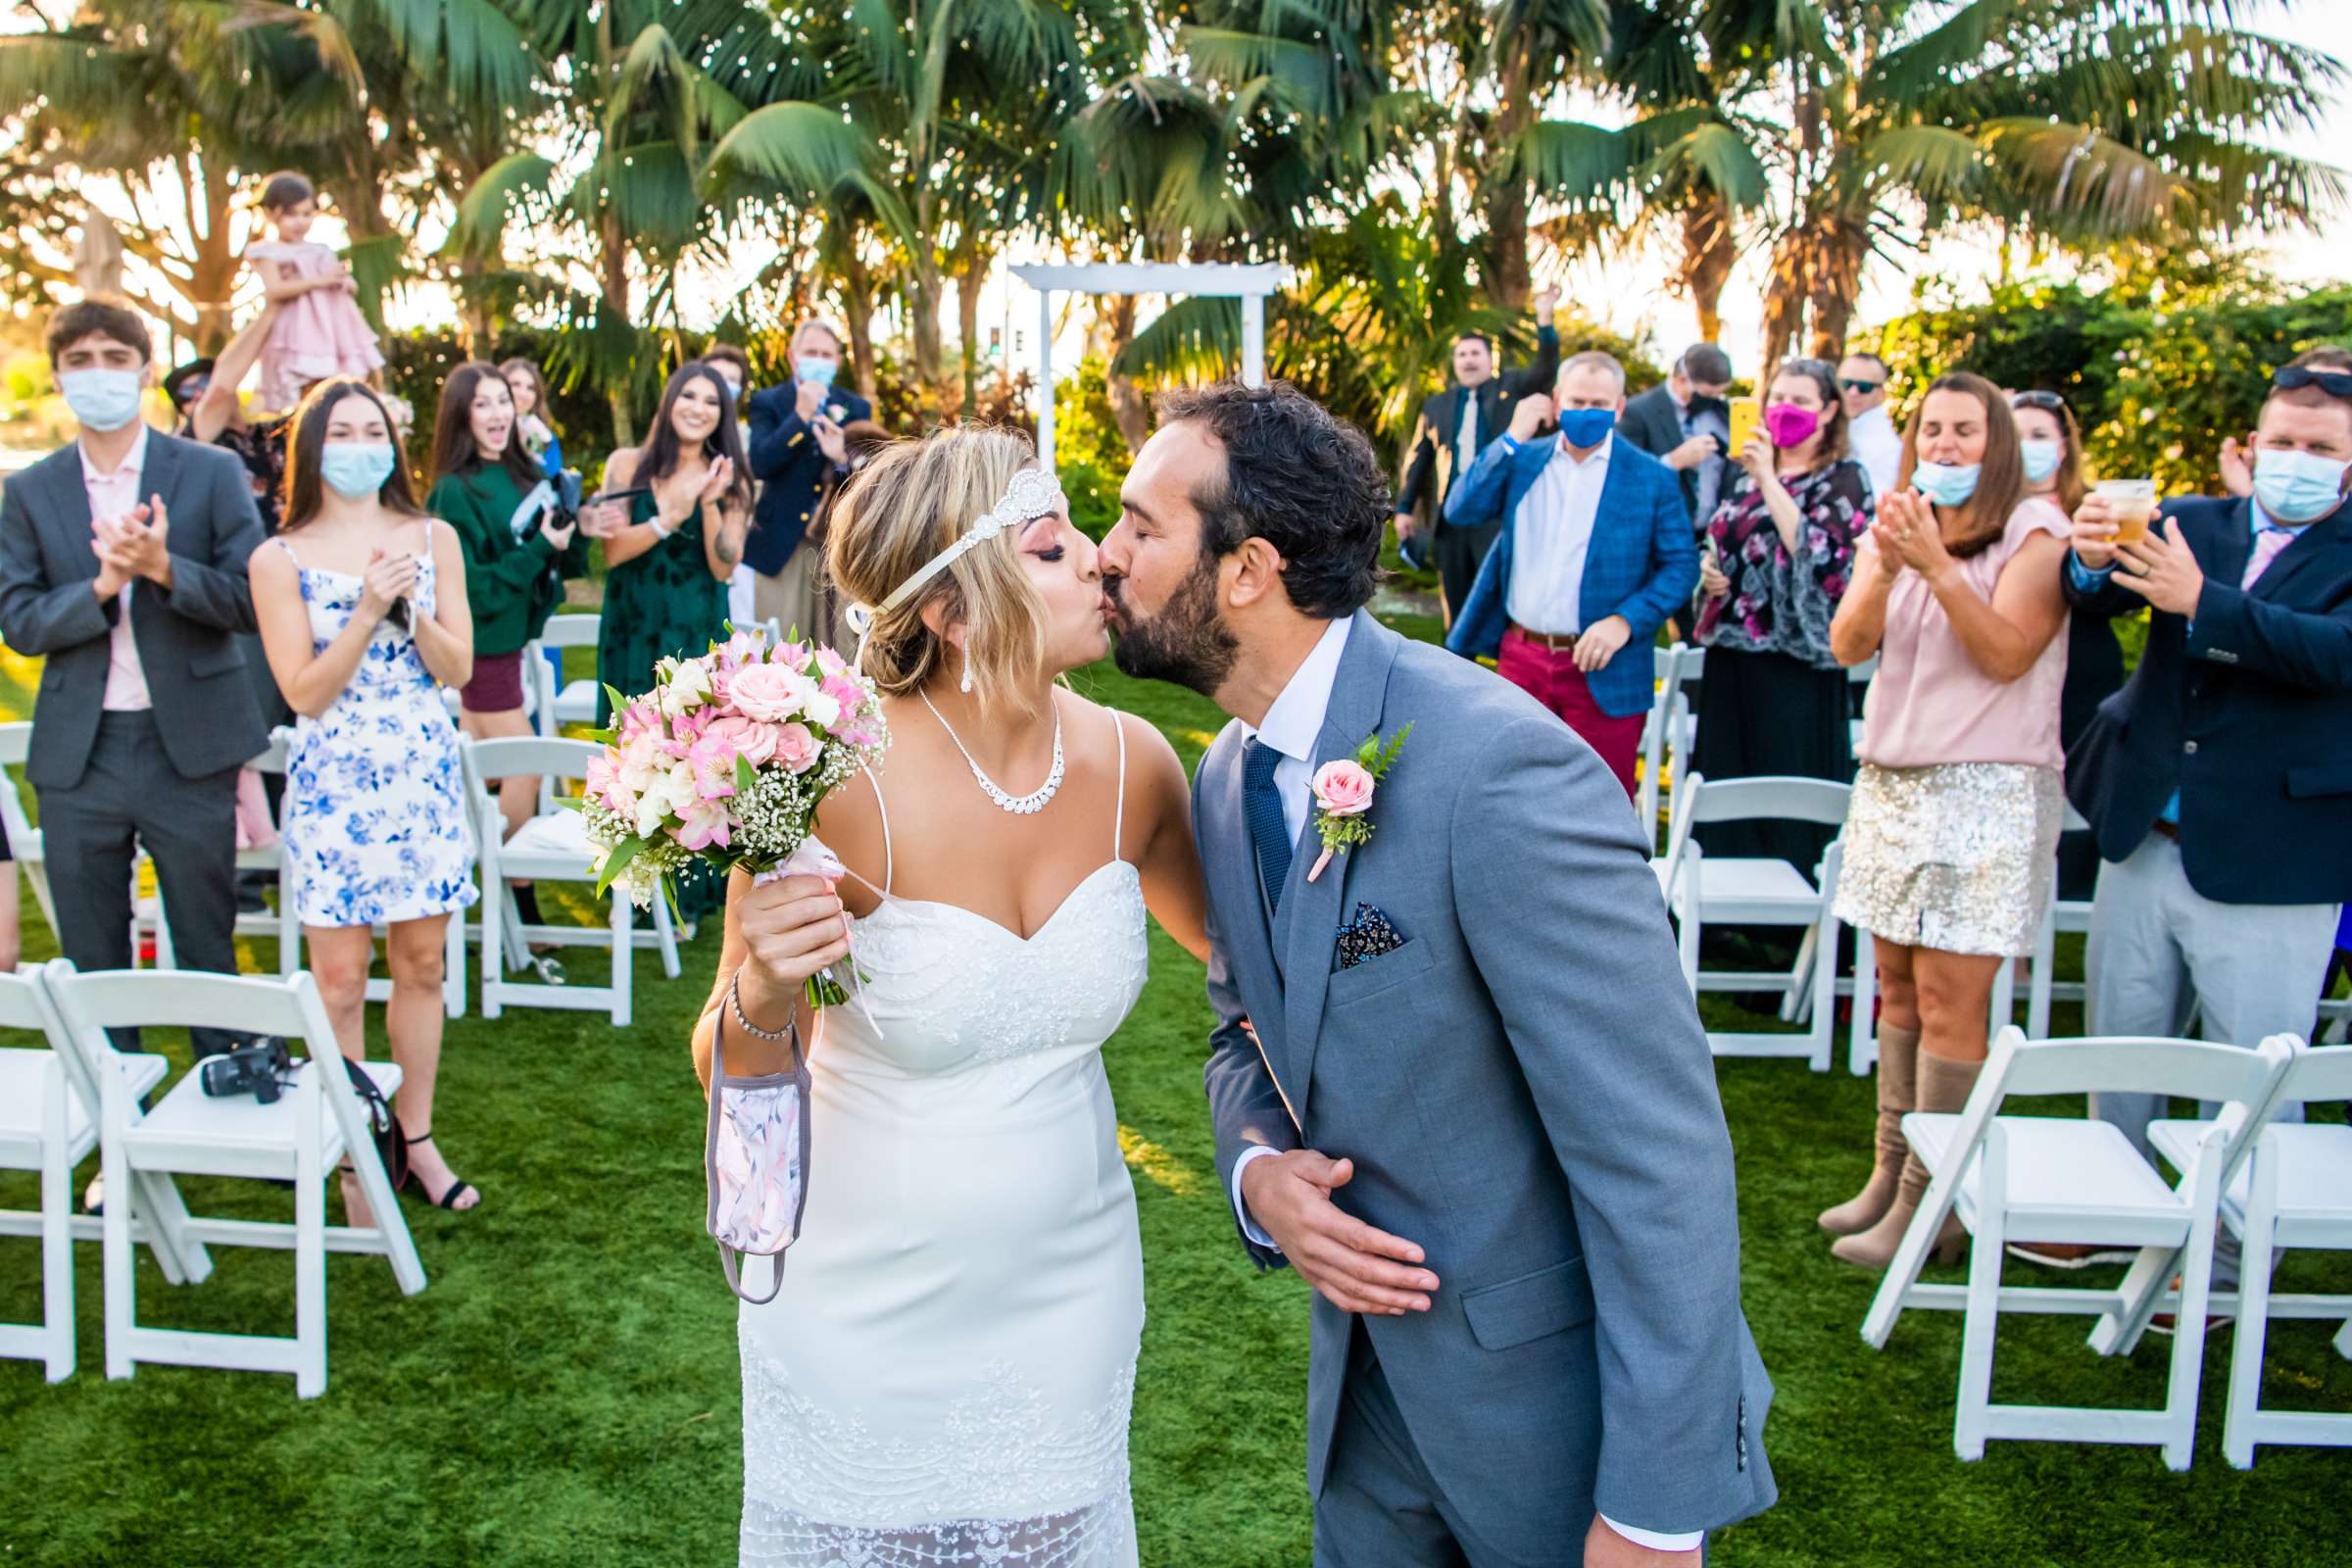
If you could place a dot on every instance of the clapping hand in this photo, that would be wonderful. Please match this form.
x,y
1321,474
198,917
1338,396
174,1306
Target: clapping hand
x,y
2238,467
1907,534
1527,416
2159,567
390,578
1355,1268
715,481
806,399
136,544
831,441
603,519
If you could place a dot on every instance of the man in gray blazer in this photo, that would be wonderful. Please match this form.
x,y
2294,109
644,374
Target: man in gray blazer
x,y
1457,1079
122,566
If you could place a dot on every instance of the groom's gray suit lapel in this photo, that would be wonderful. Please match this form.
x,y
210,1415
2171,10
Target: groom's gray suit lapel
x,y
1306,929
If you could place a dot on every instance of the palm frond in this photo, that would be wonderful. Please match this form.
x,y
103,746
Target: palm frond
x,y
517,182
471,45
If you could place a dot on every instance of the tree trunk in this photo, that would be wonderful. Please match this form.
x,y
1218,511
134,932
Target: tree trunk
x,y
1508,280
1785,293
924,286
968,284
1127,403
1840,248
1709,253
213,257
858,300
614,265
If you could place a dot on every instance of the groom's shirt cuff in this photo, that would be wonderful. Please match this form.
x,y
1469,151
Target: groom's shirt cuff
x,y
1241,1210
1659,1540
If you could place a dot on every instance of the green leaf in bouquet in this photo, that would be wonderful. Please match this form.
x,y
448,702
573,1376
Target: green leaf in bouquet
x,y
745,778
619,704
571,802
616,860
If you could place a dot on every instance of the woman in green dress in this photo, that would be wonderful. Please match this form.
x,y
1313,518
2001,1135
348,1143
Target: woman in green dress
x,y
670,553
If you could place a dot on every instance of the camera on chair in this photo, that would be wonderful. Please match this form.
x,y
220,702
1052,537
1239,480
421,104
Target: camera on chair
x,y
258,1069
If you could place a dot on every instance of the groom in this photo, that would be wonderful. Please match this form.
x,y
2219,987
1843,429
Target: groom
x,y
1458,1081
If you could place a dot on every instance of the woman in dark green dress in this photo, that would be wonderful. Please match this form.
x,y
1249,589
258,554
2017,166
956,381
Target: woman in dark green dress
x,y
669,553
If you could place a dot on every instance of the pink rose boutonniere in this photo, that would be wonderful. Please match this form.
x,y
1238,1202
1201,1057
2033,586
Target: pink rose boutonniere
x,y
1344,790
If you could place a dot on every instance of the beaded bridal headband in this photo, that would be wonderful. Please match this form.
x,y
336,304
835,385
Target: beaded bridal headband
x,y
1034,493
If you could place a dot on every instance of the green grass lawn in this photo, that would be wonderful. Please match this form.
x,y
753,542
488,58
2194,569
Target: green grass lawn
x,y
565,1390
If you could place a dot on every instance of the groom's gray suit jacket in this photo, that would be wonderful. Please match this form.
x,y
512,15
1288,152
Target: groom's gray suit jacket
x,y
1525,1090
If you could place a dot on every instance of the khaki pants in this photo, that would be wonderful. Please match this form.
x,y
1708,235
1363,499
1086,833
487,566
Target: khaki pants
x,y
791,598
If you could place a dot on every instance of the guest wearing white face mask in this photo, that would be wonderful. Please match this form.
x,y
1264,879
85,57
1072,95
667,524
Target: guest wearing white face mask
x,y
122,566
795,445
2219,780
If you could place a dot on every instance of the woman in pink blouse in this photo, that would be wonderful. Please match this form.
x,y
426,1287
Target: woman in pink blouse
x,y
1951,839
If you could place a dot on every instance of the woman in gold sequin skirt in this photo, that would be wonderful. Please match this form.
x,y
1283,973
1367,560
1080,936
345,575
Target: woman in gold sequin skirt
x,y
1951,839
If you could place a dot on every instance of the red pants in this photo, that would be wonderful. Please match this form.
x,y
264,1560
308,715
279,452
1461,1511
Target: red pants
x,y
1552,679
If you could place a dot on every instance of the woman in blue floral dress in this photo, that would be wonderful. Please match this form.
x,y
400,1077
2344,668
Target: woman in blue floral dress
x,y
362,605
1775,561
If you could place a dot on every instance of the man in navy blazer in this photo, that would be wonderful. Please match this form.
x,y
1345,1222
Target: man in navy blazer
x,y
796,446
1597,551
2219,780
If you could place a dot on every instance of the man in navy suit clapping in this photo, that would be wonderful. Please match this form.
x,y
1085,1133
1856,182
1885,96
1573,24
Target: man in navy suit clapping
x,y
2219,781
796,447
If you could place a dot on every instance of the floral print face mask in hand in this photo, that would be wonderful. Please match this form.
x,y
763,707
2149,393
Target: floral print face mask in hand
x,y
755,1160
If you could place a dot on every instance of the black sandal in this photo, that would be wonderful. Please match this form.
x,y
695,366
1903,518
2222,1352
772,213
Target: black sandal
x,y
458,1187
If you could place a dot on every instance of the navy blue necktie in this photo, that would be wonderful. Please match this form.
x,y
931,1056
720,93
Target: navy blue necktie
x,y
1262,809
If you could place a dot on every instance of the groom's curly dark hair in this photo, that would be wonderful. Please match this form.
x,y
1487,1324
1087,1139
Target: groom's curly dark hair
x,y
1305,481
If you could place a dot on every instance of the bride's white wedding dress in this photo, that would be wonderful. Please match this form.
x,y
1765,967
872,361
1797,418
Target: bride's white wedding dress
x,y
945,1376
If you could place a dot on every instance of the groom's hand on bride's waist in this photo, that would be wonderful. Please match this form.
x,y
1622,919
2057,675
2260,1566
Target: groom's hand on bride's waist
x,y
1356,1268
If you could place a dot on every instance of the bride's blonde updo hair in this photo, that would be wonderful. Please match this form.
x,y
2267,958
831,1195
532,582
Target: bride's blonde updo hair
x,y
913,500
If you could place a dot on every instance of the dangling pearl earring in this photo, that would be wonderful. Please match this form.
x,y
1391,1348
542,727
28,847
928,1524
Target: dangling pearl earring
x,y
966,685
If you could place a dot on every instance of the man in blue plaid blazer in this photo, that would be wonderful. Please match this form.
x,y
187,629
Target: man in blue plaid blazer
x,y
1597,551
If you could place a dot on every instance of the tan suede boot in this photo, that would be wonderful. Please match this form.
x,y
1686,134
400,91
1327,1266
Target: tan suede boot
x,y
1898,1092
1943,1085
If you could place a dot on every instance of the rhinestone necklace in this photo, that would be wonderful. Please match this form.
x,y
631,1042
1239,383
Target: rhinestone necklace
x,y
1018,805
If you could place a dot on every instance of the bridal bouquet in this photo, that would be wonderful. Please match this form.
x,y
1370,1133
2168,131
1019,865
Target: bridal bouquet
x,y
723,762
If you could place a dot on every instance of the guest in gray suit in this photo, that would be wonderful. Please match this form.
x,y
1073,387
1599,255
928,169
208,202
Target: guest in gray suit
x,y
1457,1079
122,566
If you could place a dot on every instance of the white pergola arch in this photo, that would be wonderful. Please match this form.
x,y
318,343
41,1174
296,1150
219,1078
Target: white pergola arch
x,y
1250,283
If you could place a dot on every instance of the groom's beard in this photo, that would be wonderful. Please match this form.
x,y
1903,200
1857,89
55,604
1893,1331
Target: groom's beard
x,y
1188,643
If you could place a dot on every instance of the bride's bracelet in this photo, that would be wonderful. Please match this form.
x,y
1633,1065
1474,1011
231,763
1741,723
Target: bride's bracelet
x,y
735,1006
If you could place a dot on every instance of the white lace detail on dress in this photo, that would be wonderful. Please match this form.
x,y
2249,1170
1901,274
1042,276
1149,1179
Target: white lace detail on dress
x,y
995,1450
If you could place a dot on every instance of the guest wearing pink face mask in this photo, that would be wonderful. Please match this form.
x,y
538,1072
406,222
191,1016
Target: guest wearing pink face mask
x,y
1775,560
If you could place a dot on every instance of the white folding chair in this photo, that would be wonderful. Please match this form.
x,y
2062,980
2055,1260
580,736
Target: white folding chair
x,y
44,1127
1726,890
2294,1190
314,1123
280,923
1664,663
2065,915
2079,1181
573,702
551,847
1858,676
25,840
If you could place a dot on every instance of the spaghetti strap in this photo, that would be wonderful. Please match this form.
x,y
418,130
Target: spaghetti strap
x,y
882,807
1118,811
280,541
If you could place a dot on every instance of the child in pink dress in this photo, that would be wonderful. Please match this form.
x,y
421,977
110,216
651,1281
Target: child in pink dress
x,y
319,330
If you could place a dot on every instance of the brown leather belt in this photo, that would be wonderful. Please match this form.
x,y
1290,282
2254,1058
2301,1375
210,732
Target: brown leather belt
x,y
1558,642
2170,830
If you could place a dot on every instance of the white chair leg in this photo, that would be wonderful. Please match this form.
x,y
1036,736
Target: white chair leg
x,y
2344,1340
56,1233
1797,1002
115,1226
2188,1326
1862,1035
1825,995
1686,921
2119,1330
310,1241
452,965
2003,1011
494,923
2253,1316
624,956
1910,1256
668,933
2044,977
1977,1332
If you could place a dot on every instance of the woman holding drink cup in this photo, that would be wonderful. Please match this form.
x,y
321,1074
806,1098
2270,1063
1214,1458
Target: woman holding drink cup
x,y
1951,835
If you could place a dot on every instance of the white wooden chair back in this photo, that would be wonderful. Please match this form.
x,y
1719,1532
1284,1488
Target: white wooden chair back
x,y
25,840
1773,798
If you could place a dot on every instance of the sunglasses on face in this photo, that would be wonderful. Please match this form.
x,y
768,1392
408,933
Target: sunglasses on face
x,y
1860,388
2294,377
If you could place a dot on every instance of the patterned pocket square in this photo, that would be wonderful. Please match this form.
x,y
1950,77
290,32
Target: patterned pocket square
x,y
1367,937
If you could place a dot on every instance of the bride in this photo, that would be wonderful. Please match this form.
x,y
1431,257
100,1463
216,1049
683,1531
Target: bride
x,y
945,1375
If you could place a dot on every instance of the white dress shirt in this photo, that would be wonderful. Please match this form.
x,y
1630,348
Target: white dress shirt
x,y
1878,447
112,493
1465,435
1292,726
1549,539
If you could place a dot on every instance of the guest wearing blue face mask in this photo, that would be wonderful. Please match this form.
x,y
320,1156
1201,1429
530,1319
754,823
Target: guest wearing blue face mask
x,y
796,446
122,566
1595,552
2219,780
1951,837
363,609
